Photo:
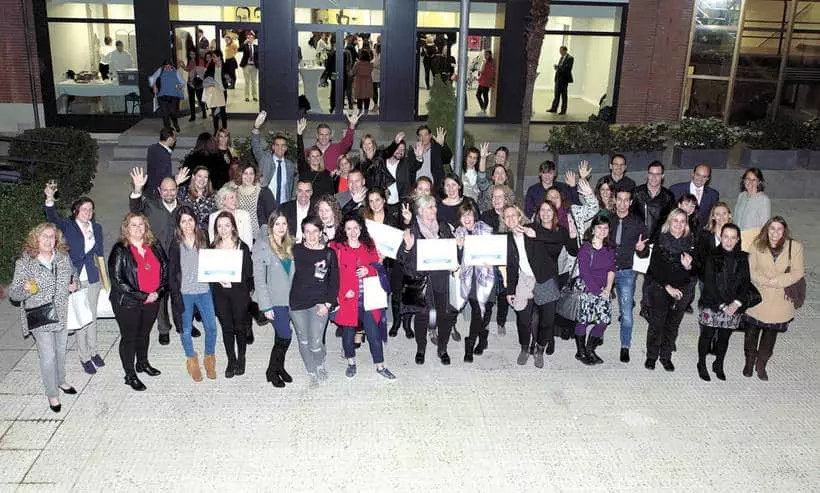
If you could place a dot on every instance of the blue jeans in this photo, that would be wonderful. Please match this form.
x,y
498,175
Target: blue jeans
x,y
374,339
625,289
281,321
205,303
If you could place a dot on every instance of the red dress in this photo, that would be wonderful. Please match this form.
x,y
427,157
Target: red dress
x,y
487,76
351,259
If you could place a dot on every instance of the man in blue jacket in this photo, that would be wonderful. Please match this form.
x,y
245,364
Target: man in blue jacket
x,y
158,160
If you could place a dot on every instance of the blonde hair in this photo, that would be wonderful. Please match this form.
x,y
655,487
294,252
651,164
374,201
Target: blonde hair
x,y
148,239
31,245
424,202
285,249
712,223
227,189
667,225
509,195
522,218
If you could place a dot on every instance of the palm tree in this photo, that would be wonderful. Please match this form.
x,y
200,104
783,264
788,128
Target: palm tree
x,y
539,13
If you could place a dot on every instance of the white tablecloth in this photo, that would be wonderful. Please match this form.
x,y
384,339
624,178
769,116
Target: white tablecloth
x,y
71,88
310,81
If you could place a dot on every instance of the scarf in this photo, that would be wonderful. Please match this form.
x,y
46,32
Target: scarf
x,y
429,232
484,276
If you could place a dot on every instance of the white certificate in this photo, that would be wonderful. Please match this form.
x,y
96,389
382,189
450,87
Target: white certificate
x,y
641,264
388,239
436,255
484,250
216,265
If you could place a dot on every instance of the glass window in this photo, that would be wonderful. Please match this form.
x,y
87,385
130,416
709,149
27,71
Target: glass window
x,y
584,18
707,98
751,100
808,16
482,75
717,13
766,14
95,67
712,51
448,14
201,10
760,53
114,9
591,61
353,12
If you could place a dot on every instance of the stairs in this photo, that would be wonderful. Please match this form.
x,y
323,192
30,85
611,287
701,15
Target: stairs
x,y
130,150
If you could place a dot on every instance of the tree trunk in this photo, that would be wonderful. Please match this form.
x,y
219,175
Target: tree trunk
x,y
539,13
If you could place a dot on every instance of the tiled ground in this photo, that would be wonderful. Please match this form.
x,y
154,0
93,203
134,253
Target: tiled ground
x,y
491,426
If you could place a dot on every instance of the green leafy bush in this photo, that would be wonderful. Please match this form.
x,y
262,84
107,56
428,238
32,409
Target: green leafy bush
x,y
812,132
639,138
705,133
441,112
592,137
22,207
243,146
782,134
73,164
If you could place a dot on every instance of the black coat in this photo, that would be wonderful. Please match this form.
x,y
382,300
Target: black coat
x,y
652,210
288,209
722,286
542,253
405,171
122,267
215,162
437,279
158,167
246,50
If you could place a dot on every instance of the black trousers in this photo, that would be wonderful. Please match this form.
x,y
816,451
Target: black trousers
x,y
168,110
229,67
135,329
759,343
220,114
363,103
483,96
348,81
426,63
444,324
232,306
721,344
376,86
665,317
560,95
536,323
163,320
194,96
503,308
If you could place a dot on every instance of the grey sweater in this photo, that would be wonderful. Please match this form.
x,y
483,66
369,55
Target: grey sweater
x,y
271,281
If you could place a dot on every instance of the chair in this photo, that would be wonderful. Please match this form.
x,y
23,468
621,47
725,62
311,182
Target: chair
x,y
134,99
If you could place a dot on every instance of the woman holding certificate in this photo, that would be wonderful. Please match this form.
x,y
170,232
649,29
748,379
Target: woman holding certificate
x,y
232,299
532,275
426,293
477,281
313,295
358,258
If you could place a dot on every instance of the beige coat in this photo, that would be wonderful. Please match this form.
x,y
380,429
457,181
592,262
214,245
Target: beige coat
x,y
775,308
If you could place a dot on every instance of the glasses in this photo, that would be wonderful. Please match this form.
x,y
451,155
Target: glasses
x,y
654,174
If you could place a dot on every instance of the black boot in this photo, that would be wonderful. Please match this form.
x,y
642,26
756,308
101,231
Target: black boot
x,y
249,335
280,367
482,341
580,349
407,323
749,367
592,343
469,342
396,309
271,374
703,373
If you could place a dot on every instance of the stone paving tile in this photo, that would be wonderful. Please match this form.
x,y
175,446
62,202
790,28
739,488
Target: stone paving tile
x,y
4,425
28,435
15,464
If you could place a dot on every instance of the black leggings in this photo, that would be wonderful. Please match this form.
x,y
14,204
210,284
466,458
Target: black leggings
x,y
363,103
483,96
135,329
444,323
231,306
376,86
721,345
536,322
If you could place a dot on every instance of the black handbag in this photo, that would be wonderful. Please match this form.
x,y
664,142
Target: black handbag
x,y
41,315
569,303
414,292
796,293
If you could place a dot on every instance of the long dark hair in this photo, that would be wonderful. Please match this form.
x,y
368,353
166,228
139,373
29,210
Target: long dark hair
x,y
206,143
455,178
597,221
199,235
367,212
364,236
235,235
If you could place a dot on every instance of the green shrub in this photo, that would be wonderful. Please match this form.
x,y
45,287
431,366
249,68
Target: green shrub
x,y
639,138
812,132
782,134
705,133
243,146
22,207
441,112
73,164
592,137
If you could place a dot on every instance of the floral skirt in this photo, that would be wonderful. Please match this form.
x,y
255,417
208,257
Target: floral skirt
x,y
719,319
594,309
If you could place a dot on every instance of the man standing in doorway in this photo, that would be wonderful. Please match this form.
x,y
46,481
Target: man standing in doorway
x,y
563,78
250,66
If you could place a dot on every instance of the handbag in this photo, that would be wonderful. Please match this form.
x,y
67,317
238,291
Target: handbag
x,y
796,293
41,315
414,292
569,304
79,310
457,301
375,296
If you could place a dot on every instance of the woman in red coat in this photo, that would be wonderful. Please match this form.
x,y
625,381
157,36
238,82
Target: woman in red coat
x,y
358,259
486,80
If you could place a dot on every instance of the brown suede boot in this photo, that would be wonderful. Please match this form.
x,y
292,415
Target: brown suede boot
x,y
193,368
210,366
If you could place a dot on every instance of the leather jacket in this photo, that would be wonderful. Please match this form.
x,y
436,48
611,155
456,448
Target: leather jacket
x,y
122,266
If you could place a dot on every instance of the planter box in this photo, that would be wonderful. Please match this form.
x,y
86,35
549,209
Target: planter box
x,y
639,161
811,159
598,163
689,158
772,159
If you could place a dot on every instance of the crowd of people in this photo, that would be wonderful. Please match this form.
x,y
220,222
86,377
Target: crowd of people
x,y
302,227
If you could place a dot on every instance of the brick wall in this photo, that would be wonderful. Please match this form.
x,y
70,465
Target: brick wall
x,y
14,78
654,61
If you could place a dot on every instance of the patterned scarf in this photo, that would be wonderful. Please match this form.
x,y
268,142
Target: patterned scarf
x,y
484,276
429,232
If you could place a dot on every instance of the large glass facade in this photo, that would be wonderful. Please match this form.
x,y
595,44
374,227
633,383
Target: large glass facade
x,y
205,10
737,55
344,12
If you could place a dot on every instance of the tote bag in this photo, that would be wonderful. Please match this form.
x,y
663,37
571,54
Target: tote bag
x,y
79,310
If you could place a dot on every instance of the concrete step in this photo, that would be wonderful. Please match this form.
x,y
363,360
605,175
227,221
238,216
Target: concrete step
x,y
138,152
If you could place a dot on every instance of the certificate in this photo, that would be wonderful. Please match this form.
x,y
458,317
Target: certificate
x,y
641,264
484,250
436,255
387,238
216,265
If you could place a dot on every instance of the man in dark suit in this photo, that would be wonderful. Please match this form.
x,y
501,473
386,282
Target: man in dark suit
x,y
298,209
250,65
707,196
402,168
276,172
158,160
563,78
202,43
431,154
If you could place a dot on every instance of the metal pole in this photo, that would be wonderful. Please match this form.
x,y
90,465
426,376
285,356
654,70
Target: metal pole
x,y
461,87
784,61
730,89
30,56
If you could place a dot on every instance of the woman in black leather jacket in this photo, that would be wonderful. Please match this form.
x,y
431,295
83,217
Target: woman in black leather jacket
x,y
139,277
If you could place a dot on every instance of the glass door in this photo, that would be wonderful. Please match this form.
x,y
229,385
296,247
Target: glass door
x,y
437,53
237,41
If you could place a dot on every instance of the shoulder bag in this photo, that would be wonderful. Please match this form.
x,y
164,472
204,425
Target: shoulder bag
x,y
796,293
46,314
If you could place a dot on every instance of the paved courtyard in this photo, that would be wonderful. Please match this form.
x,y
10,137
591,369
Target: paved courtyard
x,y
490,426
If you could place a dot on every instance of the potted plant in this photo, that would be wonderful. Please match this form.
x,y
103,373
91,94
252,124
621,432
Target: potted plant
x,y
812,133
640,144
589,141
703,140
774,144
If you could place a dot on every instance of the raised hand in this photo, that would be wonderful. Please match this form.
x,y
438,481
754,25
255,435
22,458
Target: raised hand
x,y
399,137
182,176
418,149
409,239
573,231
641,244
686,260
260,119
584,170
570,178
484,150
50,190
353,119
585,187
139,179
301,125
441,134
406,214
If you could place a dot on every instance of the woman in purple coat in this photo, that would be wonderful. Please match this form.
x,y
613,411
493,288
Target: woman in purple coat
x,y
596,264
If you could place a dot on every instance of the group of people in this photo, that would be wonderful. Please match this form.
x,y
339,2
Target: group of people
x,y
303,232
